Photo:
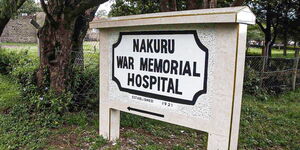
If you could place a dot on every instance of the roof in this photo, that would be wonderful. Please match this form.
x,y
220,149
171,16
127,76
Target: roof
x,y
241,15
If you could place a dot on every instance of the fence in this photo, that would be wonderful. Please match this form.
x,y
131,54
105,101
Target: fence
x,y
86,75
276,74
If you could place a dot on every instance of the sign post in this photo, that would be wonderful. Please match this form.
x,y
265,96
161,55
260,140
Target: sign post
x,y
184,68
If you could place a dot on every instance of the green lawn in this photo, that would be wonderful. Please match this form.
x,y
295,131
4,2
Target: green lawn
x,y
275,52
9,93
270,124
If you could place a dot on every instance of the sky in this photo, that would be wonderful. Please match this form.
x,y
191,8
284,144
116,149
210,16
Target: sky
x,y
106,6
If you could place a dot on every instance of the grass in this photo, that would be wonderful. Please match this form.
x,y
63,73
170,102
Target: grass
x,y
275,52
91,50
9,92
271,124
265,124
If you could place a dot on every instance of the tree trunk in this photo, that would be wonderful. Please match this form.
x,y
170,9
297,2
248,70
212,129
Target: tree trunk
x,y
285,42
192,4
168,5
3,22
285,28
209,4
61,43
238,2
173,5
164,5
213,4
9,8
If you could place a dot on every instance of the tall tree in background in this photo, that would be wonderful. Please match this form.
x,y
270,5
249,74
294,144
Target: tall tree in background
x,y
30,7
61,37
269,14
8,8
133,7
209,4
168,5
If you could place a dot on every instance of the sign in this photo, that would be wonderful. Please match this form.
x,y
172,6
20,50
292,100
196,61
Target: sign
x,y
166,65
184,68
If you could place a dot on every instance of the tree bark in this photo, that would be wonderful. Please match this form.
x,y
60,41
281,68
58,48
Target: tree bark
x,y
164,5
192,4
61,40
3,22
168,5
9,9
209,4
173,5
285,42
238,3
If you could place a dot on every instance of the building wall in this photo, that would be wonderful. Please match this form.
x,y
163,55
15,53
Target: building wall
x,y
19,30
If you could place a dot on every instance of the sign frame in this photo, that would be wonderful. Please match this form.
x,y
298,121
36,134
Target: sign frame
x,y
230,26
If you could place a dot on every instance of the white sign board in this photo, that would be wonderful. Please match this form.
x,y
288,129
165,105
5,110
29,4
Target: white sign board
x,y
184,68
166,65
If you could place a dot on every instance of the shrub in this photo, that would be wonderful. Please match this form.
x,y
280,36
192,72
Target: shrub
x,y
252,84
82,92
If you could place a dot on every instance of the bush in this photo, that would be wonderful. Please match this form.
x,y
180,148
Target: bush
x,y
252,84
22,68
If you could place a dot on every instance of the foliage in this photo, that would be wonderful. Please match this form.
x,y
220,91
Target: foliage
x,y
254,33
272,124
133,7
252,84
9,8
30,7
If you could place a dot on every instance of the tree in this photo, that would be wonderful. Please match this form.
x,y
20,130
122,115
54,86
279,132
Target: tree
x,y
168,5
8,8
133,7
269,14
29,7
209,4
61,39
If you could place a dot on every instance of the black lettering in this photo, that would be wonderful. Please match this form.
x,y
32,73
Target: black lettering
x,y
170,86
176,87
158,84
195,70
135,45
174,67
158,65
150,65
163,79
164,46
138,80
145,82
171,46
187,69
143,46
153,80
120,61
143,64
157,46
166,66
130,79
130,64
149,45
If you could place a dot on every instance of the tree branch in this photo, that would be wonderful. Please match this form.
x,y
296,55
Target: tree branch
x,y
44,7
238,3
20,3
261,26
85,5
